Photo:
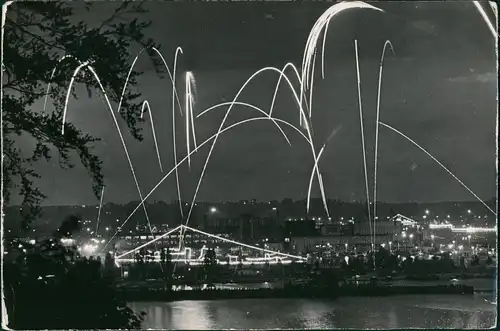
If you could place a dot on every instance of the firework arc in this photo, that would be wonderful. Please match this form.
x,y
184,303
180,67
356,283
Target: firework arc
x,y
379,89
305,78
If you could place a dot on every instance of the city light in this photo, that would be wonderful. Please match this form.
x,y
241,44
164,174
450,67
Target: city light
x,y
427,211
213,210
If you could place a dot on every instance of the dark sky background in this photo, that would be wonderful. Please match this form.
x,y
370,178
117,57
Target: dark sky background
x,y
440,89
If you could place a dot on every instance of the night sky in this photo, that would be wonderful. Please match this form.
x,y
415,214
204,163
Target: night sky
x,y
440,89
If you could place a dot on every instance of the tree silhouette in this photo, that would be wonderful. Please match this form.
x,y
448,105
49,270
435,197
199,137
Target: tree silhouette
x,y
57,293
37,35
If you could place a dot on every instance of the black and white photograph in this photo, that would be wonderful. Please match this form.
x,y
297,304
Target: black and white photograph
x,y
210,165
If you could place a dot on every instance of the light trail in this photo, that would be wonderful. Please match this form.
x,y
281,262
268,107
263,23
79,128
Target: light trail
x,y
85,64
308,202
440,164
381,67
222,124
294,68
242,244
132,68
146,104
196,262
312,85
312,40
185,158
177,51
184,227
259,110
481,11
361,122
144,245
99,212
189,113
52,76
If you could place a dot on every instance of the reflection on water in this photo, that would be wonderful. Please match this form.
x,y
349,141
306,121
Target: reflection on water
x,y
419,311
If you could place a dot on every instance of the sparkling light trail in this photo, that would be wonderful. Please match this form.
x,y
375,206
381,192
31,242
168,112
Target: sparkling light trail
x,y
312,40
308,202
381,67
440,164
110,108
132,68
481,11
192,152
177,51
144,105
253,107
52,76
189,113
221,128
99,212
361,122
296,72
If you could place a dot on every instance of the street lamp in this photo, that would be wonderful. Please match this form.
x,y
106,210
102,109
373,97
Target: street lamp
x,y
390,246
427,211
213,210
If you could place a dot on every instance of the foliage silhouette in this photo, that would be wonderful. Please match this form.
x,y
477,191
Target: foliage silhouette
x,y
58,289
47,281
37,35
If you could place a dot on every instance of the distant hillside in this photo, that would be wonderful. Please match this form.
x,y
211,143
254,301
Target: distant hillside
x,y
168,213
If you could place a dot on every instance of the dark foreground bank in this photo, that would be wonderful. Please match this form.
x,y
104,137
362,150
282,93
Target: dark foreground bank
x,y
289,293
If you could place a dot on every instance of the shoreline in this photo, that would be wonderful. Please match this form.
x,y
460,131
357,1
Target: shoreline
x,y
291,293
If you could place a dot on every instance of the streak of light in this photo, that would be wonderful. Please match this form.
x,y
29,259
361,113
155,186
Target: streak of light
x,y
221,126
381,67
177,51
440,164
312,40
481,11
184,227
132,68
189,113
99,212
52,76
194,151
296,72
195,262
242,244
146,104
312,177
146,244
85,64
361,121
256,108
